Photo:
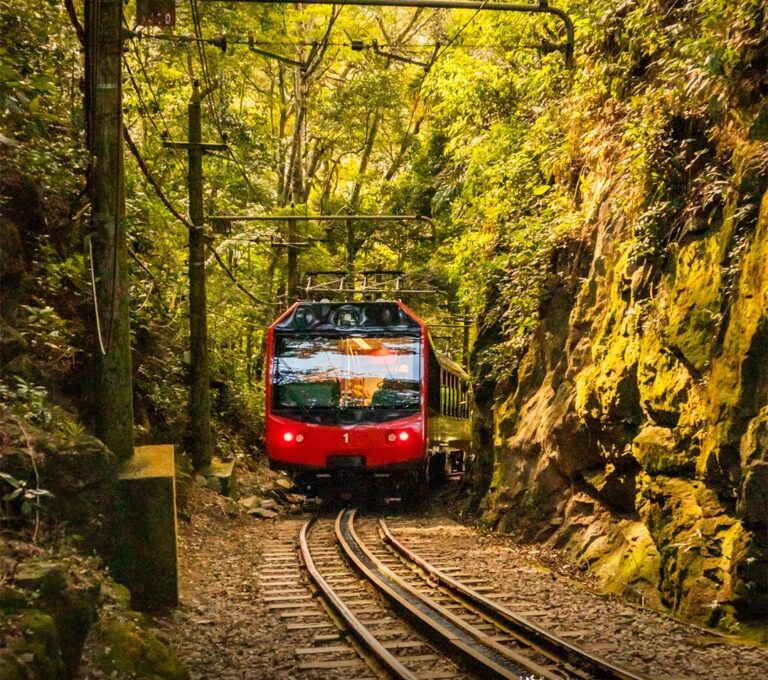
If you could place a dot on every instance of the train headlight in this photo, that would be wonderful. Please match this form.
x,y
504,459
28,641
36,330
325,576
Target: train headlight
x,y
403,436
304,317
299,438
347,317
288,436
391,437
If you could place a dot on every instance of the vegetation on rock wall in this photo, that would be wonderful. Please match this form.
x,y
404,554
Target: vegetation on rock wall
x,y
631,424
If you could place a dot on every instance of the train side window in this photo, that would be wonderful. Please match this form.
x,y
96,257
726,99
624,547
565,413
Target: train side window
x,y
443,393
455,395
466,398
457,392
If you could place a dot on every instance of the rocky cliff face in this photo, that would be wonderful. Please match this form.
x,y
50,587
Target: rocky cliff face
x,y
635,434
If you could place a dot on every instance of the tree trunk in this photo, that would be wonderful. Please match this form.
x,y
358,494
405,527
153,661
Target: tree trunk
x,y
354,200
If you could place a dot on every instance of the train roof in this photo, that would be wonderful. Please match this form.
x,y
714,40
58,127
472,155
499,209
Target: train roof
x,y
448,364
347,317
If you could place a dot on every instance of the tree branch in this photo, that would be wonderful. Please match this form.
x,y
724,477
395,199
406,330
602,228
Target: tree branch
x,y
70,6
158,190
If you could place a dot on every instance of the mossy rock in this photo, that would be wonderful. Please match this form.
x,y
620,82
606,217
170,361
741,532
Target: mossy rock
x,y
123,648
12,599
753,501
753,493
72,607
664,382
693,302
657,451
701,547
77,469
31,646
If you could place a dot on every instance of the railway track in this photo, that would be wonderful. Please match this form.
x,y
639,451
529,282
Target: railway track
x,y
374,599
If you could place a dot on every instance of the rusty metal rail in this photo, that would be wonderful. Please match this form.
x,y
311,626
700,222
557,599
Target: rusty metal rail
x,y
353,624
513,624
484,655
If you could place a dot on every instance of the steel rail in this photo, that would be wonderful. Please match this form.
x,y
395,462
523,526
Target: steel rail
x,y
361,633
494,660
526,631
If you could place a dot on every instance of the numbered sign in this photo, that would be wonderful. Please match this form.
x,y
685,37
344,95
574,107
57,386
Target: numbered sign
x,y
156,13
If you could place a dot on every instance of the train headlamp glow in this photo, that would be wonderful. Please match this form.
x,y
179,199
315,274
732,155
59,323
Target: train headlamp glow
x,y
288,436
394,436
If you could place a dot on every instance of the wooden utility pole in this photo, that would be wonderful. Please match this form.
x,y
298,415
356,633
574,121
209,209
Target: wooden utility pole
x,y
201,444
199,394
465,338
114,385
297,183
292,239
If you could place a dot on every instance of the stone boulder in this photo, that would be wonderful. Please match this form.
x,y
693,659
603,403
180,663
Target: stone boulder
x,y
753,495
125,647
30,642
658,451
700,546
72,606
77,469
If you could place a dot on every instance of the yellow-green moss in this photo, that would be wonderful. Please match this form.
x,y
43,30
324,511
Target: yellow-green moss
x,y
658,451
128,650
697,541
692,301
663,382
730,386
32,645
621,555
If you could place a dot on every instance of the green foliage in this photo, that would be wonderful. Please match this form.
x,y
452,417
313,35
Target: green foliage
x,y
27,400
22,494
39,94
49,336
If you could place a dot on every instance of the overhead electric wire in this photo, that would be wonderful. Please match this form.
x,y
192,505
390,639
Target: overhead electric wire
x,y
169,206
460,31
305,43
195,12
176,152
153,182
209,84
147,114
165,132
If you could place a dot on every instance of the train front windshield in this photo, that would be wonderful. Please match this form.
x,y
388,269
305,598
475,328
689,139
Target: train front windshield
x,y
322,373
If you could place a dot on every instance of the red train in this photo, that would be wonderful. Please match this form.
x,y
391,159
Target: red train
x,y
358,399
